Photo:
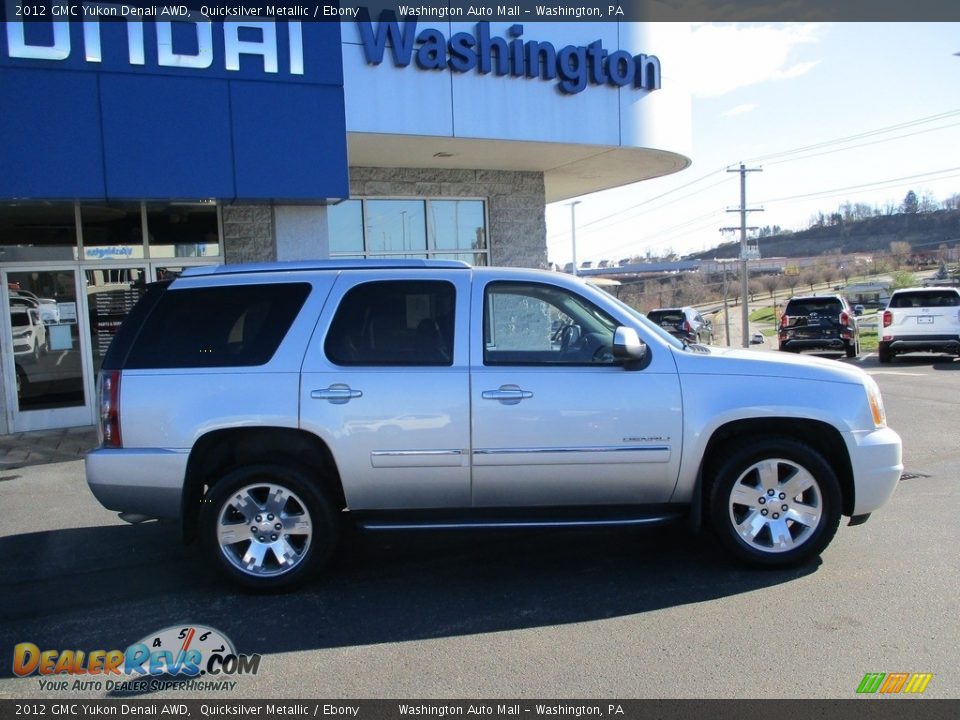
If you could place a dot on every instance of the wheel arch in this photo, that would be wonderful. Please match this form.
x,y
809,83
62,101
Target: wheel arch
x,y
220,451
820,435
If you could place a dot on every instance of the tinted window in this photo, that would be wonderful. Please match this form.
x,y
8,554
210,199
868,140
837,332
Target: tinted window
x,y
394,323
926,298
236,326
671,317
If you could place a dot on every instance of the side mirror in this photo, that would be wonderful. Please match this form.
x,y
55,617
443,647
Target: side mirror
x,y
628,347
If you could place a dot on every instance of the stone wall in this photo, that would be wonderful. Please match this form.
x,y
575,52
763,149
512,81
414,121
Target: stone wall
x,y
248,234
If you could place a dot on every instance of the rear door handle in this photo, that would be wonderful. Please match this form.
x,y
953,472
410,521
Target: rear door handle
x,y
507,394
338,394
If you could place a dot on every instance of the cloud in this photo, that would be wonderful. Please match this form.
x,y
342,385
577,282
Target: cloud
x,y
724,58
740,110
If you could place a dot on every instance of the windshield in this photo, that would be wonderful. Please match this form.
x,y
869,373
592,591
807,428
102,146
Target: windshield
x,y
19,319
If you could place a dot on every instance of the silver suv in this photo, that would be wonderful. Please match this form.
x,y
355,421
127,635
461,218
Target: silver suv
x,y
418,394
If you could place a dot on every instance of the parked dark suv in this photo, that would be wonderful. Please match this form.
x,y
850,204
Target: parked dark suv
x,y
819,322
684,323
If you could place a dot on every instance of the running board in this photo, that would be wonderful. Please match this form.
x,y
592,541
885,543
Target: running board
x,y
387,521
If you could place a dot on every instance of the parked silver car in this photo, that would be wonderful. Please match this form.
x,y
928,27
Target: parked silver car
x,y
429,394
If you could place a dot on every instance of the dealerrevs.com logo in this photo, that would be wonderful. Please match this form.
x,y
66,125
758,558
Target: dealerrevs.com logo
x,y
179,655
894,683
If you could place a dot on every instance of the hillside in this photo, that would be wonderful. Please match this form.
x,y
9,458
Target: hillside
x,y
924,231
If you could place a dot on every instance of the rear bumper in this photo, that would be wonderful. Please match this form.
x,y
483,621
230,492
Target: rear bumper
x,y
917,343
835,343
877,460
144,482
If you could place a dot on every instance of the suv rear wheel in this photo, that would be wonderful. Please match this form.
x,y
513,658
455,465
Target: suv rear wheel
x,y
268,527
852,348
775,502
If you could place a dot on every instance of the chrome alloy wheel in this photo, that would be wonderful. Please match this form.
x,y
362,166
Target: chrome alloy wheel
x,y
775,505
264,530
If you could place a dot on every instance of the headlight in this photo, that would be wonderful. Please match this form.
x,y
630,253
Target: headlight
x,y
876,403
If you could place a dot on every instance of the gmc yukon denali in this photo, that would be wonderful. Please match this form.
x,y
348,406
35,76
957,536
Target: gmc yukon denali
x,y
266,406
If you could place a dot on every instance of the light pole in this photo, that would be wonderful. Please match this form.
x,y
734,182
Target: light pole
x,y
573,234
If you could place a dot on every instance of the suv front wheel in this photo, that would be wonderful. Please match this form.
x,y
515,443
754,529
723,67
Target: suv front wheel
x,y
775,502
268,527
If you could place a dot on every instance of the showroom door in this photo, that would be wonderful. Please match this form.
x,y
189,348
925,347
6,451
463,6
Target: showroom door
x,y
46,360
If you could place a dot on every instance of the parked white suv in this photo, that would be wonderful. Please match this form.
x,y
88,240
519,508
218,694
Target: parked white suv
x,y
923,319
419,394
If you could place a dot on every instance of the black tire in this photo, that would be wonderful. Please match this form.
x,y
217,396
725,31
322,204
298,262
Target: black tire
x,y
23,382
852,349
273,522
795,461
884,355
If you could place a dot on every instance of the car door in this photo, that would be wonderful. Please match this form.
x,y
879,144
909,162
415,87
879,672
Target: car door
x,y
386,384
556,421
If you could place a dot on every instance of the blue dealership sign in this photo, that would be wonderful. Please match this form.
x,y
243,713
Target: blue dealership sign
x,y
165,110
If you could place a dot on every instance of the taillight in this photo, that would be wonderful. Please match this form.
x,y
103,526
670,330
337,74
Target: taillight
x,y
887,318
109,392
784,321
687,327
844,318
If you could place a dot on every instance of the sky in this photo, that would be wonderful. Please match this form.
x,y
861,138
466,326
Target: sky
x,y
890,92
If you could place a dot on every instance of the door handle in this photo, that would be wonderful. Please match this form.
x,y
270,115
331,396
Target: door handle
x,y
338,394
507,394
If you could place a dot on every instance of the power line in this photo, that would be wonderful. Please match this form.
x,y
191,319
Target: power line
x,y
826,193
860,145
858,136
792,151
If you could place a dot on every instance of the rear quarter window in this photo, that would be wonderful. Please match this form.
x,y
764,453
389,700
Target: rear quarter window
x,y
235,326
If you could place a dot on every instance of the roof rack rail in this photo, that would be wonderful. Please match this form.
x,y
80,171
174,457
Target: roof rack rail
x,y
301,265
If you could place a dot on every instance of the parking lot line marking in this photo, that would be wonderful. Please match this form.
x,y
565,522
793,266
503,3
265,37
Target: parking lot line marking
x,y
896,372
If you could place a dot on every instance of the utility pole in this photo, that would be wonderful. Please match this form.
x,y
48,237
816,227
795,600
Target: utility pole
x,y
743,210
573,234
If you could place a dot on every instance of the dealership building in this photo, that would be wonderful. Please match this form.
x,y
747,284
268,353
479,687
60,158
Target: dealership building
x,y
131,150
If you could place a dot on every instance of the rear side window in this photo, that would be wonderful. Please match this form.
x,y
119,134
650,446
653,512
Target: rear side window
x,y
673,317
810,306
394,323
236,326
926,298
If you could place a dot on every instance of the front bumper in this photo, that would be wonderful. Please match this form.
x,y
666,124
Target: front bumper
x,y
877,460
144,482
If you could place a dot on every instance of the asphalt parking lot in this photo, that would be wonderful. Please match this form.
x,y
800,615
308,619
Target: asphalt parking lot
x,y
571,615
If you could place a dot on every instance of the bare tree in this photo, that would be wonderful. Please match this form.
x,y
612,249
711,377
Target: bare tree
x,y
828,273
900,250
771,283
792,280
811,276
928,202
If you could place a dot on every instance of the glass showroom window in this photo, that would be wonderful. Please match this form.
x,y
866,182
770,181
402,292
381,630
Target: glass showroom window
x,y
117,231
409,228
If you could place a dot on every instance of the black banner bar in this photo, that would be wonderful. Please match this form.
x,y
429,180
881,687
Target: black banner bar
x,y
259,709
508,11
